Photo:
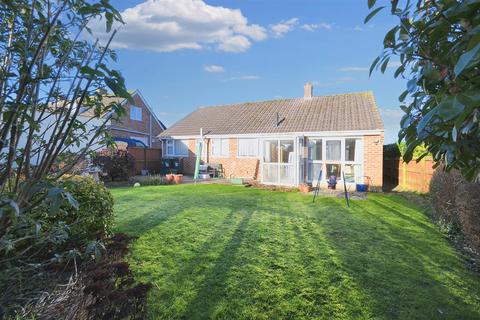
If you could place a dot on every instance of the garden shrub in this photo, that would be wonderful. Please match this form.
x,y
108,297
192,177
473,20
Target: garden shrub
x,y
115,164
456,204
69,225
94,217
152,180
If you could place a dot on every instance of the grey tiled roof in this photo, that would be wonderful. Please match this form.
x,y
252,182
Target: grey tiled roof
x,y
345,112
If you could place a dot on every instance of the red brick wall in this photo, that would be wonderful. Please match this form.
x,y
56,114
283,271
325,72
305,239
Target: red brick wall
x,y
141,126
234,166
373,159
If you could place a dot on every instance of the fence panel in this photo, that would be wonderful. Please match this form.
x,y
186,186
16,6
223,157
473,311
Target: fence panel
x,y
146,159
411,176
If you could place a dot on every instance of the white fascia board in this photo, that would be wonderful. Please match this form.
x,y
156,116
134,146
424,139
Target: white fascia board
x,y
283,134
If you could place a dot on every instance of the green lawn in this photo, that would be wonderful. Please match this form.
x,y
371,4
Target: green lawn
x,y
228,252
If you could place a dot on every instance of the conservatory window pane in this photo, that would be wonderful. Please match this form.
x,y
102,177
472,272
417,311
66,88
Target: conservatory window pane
x,y
333,170
286,151
350,149
270,151
334,151
315,150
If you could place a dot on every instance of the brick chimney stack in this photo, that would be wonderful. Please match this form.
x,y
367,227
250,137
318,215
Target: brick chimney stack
x,y
307,90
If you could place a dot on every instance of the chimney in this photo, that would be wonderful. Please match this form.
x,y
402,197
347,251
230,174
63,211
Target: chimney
x,y
307,90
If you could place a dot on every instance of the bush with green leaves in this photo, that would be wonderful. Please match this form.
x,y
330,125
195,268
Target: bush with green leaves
x,y
93,219
438,47
116,164
150,180
456,204
397,150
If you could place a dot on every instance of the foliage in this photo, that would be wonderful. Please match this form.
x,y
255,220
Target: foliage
x,y
456,203
94,217
97,290
68,232
51,115
438,43
150,180
227,252
397,150
115,164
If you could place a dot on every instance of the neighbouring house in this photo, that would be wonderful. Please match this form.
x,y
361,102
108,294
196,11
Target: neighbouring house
x,y
287,141
139,121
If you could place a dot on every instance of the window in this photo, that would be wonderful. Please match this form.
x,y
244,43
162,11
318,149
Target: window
x,y
170,148
247,147
278,166
135,113
335,157
220,147
176,148
334,150
333,170
181,148
315,149
286,151
315,157
270,153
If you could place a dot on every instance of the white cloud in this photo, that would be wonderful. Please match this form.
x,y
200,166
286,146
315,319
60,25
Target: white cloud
x,y
283,27
169,25
334,82
244,78
363,28
312,27
391,64
214,68
354,69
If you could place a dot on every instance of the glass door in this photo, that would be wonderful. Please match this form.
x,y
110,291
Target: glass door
x,y
278,162
315,159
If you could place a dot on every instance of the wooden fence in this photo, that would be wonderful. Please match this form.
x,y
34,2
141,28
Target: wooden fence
x,y
146,159
411,176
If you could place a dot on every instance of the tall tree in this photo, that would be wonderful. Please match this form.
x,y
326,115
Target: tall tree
x,y
438,45
50,73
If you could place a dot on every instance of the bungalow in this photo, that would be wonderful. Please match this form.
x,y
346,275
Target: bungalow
x,y
287,141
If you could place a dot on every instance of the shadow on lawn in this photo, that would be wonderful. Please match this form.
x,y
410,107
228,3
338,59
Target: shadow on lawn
x,y
214,281
171,204
384,259
417,270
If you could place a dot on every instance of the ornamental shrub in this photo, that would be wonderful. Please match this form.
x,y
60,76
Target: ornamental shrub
x,y
94,217
116,164
456,204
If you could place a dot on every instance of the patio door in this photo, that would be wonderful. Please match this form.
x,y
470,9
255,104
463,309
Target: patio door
x,y
278,165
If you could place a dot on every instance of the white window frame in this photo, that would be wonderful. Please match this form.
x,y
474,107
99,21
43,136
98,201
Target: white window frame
x,y
292,165
254,141
171,143
342,161
223,153
137,115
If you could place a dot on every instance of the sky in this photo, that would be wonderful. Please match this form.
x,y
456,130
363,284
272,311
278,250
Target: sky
x,y
184,54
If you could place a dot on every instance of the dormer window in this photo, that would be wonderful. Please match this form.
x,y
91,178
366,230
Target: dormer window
x,y
136,113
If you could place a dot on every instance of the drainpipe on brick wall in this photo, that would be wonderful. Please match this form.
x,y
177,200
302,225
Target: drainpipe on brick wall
x,y
150,129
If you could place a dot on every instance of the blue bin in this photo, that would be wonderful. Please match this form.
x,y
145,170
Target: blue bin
x,y
361,187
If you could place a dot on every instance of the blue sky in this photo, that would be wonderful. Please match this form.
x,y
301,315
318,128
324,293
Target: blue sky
x,y
183,54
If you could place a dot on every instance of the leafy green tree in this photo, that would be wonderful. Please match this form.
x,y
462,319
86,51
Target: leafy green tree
x,y
438,45
51,71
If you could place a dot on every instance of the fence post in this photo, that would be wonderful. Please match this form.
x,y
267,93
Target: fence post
x,y
404,174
